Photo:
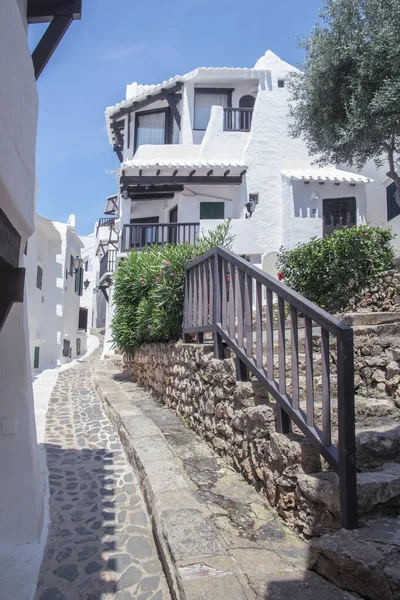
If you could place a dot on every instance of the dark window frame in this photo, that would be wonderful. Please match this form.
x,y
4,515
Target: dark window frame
x,y
39,277
392,208
228,91
214,204
168,125
350,200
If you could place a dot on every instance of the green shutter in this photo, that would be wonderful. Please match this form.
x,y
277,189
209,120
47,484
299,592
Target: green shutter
x,y
36,357
212,210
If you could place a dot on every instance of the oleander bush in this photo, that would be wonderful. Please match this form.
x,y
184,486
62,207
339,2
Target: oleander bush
x,y
149,290
330,270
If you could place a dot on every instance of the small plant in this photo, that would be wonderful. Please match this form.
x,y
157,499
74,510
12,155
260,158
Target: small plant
x,y
149,290
329,270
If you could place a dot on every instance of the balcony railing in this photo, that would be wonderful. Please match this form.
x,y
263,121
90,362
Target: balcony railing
x,y
105,222
137,236
107,263
237,119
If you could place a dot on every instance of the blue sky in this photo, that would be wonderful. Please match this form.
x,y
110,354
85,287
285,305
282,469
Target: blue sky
x,y
121,41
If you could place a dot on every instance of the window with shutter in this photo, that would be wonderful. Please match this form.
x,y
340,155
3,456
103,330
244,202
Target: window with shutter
x,y
39,277
36,355
212,210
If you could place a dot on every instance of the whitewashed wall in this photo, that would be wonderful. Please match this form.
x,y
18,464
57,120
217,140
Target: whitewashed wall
x,y
21,498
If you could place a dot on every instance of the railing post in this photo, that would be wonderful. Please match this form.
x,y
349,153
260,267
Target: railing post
x,y
346,426
218,348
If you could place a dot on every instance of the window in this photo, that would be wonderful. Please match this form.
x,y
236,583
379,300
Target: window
x,y
78,346
204,99
39,277
143,236
153,127
338,213
36,354
87,265
281,83
66,348
212,210
83,319
79,281
393,209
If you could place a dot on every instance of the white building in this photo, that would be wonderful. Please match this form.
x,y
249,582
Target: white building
x,y
90,297
55,283
21,498
214,144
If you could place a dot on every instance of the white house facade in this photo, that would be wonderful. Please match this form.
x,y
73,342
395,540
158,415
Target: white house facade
x,y
211,145
21,498
55,283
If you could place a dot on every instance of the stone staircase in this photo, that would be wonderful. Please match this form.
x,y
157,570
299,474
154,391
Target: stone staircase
x,y
367,560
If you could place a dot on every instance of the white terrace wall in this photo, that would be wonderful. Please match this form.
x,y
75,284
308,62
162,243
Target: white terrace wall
x,y
21,498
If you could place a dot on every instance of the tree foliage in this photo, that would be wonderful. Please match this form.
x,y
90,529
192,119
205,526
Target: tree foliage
x,y
149,290
345,103
329,270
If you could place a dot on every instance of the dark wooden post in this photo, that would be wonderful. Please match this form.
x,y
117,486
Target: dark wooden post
x,y
218,348
346,425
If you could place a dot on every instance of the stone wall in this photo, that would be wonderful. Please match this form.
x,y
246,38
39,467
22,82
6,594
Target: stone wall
x,y
382,295
238,420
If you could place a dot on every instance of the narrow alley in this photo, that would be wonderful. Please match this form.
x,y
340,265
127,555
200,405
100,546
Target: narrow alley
x,y
100,542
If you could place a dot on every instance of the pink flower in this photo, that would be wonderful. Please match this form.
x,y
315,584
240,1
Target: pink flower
x,y
166,262
157,279
172,274
280,275
228,279
149,326
141,279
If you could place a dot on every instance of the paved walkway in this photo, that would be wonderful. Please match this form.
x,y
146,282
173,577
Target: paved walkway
x,y
100,543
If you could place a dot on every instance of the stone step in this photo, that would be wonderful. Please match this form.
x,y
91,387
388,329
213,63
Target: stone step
x,y
378,445
365,561
377,489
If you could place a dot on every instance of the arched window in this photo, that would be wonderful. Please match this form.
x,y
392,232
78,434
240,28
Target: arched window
x,y
247,103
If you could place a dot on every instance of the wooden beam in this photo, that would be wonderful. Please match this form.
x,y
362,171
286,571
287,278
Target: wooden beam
x,y
192,173
117,133
226,173
43,11
210,173
158,172
118,152
49,42
150,189
154,180
153,196
148,100
175,112
175,173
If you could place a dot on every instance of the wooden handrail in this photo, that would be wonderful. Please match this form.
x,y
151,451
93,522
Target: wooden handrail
x,y
237,119
238,302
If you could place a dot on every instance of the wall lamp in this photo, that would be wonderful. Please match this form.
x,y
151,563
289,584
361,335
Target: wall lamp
x,y
251,205
77,263
86,284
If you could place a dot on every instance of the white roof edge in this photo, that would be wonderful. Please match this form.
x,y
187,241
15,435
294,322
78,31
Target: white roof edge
x,y
48,225
138,164
325,174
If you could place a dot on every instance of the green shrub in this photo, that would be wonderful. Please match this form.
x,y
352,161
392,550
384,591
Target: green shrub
x,y
149,290
329,270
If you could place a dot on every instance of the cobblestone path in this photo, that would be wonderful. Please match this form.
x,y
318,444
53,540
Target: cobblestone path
x,y
100,544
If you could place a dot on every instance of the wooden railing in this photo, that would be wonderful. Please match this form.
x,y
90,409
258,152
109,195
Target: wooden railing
x,y
139,236
107,262
105,222
237,119
246,308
